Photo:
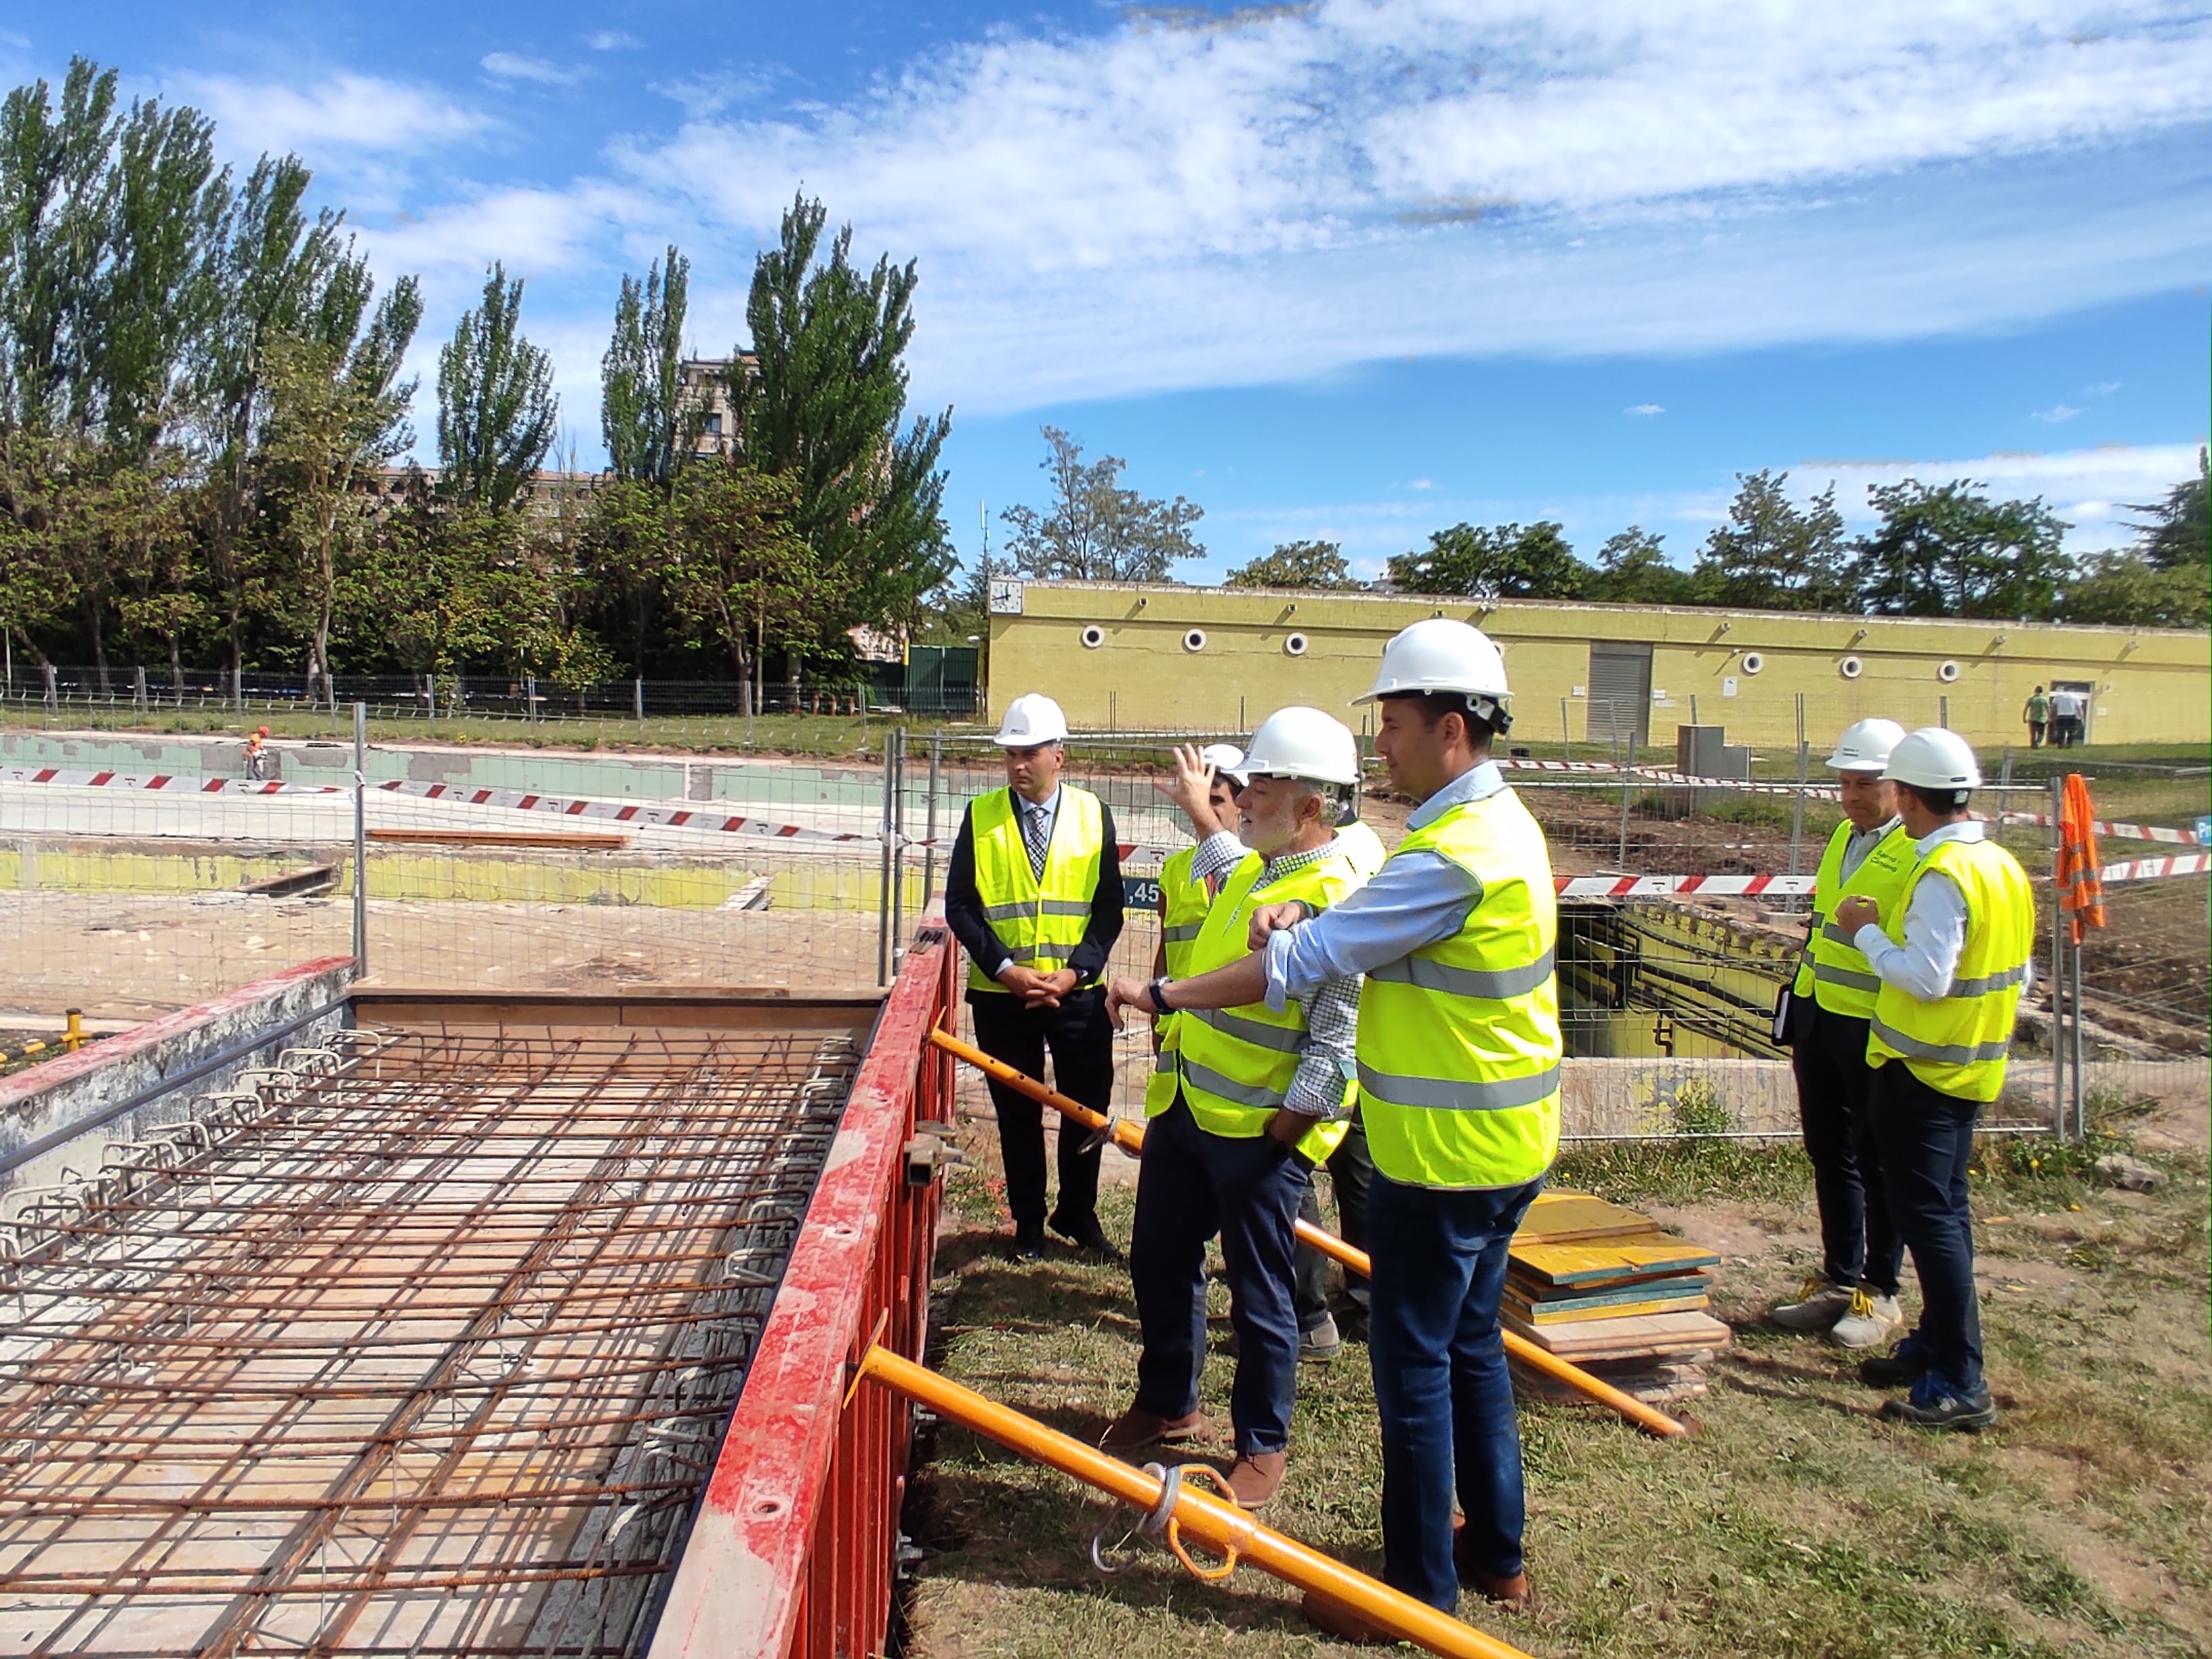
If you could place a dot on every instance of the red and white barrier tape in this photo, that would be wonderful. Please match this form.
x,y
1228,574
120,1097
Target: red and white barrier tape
x,y
2180,864
2113,831
176,785
1664,886
624,812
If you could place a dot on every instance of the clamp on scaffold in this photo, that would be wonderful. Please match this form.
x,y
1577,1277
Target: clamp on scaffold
x,y
1130,1138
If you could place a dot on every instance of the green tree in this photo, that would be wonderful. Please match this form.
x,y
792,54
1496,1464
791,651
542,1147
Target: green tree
x,y
1095,531
742,579
1772,556
1951,551
1508,562
1297,564
821,403
1632,568
497,409
640,377
2177,535
2162,580
56,211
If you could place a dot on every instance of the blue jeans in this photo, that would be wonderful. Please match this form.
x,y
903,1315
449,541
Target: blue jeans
x,y
1191,1186
1926,1141
1441,1386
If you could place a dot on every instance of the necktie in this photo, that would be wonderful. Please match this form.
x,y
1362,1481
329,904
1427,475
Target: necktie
x,y
1039,836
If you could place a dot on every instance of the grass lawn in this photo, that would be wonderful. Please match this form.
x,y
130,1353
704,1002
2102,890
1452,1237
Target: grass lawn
x,y
1795,1524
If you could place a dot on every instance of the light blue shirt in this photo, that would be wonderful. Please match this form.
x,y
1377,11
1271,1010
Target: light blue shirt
x,y
1415,899
1049,811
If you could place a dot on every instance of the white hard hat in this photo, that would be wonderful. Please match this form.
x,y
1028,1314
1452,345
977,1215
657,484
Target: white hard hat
x,y
1439,655
1032,718
1227,761
1933,757
1303,742
1865,746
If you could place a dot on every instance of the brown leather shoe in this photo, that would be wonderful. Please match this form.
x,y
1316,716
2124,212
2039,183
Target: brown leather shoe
x,y
1137,1428
1334,1618
1509,1592
1256,1477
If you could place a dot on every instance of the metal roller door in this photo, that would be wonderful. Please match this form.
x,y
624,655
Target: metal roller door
x,y
1619,694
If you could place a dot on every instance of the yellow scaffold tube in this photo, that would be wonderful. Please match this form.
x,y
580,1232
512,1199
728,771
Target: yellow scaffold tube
x,y
1130,1138
1220,1526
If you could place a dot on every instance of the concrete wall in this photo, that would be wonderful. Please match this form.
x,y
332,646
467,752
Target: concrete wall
x,y
2151,684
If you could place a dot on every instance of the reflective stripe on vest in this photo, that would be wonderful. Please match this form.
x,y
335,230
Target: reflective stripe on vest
x,y
1835,973
1039,921
1184,899
1237,1064
1459,1043
1958,1044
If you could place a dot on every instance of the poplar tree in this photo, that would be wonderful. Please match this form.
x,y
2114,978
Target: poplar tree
x,y
641,376
496,408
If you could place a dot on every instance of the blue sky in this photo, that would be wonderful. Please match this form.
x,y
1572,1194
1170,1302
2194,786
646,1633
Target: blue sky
x,y
1357,269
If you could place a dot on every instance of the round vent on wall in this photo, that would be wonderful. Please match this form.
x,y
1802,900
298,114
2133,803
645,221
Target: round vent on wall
x,y
1851,668
1752,662
1295,646
1947,671
1194,641
1093,637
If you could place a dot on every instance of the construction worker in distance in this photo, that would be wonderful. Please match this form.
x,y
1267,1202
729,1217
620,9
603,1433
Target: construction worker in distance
x,y
1458,1054
1034,895
1261,1097
1854,1298
1953,957
256,753
1210,778
2036,711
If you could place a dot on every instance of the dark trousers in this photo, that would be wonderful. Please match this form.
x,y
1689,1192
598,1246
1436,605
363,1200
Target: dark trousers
x,y
1350,1171
1927,1139
1190,1186
1442,1390
2035,734
1081,1045
1835,1105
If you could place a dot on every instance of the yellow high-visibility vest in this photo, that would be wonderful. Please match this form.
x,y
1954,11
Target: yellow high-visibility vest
x,y
1833,974
1458,1042
1958,1044
1039,921
1237,1064
1183,900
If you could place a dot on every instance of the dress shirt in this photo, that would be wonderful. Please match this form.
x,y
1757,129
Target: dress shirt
x,y
1417,898
1047,810
963,910
1935,928
1864,841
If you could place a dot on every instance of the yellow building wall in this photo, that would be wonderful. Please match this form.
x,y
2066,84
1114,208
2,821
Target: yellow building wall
x,y
2151,684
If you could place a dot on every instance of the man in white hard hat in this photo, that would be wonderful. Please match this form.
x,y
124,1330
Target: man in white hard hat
x,y
1953,957
1458,1054
1854,1298
1260,1098
1034,895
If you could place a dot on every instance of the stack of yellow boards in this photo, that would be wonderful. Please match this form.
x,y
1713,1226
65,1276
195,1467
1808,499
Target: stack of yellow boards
x,y
1603,1285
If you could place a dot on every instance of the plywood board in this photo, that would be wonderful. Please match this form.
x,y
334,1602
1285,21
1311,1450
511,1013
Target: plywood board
x,y
1649,1334
1568,1218
1613,1311
1611,1259
1670,1288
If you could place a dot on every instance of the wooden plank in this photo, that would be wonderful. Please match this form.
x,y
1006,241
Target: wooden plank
x,y
1569,1217
295,884
1541,1317
1622,1338
1609,1259
1604,1295
594,839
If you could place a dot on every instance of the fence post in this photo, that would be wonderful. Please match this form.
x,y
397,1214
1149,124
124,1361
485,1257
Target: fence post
x,y
361,839
1943,712
238,688
884,888
898,848
138,689
1567,733
53,692
1627,785
637,701
929,851
1797,811
2057,970
530,697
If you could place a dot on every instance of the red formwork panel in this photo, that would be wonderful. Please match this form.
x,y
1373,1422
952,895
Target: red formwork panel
x,y
791,1554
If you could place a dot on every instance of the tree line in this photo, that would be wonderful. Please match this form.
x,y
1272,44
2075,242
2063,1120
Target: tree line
x,y
204,419
1934,551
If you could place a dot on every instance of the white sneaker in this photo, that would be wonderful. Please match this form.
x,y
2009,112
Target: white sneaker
x,y
1870,1323
1822,1306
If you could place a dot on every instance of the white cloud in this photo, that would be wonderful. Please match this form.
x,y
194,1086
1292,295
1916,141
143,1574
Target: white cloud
x,y
2103,388
515,66
1645,409
612,40
2056,414
357,113
1424,483
1164,205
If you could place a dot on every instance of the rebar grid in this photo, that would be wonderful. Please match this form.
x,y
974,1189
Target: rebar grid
x,y
419,1349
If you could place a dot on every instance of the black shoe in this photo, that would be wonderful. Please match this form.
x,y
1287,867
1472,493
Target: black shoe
x,y
1029,1240
1900,1368
1088,1236
1935,1403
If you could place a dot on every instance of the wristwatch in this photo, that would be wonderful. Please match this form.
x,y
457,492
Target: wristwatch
x,y
1153,992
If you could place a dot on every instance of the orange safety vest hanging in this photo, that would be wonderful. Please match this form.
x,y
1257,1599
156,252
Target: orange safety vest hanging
x,y
2081,883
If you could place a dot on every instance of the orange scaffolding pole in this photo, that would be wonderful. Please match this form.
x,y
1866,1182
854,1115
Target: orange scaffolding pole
x,y
1130,1138
1179,1511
